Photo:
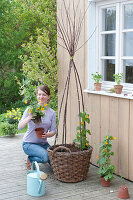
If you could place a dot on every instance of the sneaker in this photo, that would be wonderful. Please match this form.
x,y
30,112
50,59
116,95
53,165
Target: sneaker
x,y
28,164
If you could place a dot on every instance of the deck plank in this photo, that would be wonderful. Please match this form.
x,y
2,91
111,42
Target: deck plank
x,y
13,185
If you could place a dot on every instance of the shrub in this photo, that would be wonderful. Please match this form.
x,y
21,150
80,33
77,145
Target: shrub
x,y
2,117
13,116
8,129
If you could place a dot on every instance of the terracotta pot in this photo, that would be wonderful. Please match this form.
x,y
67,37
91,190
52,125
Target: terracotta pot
x,y
39,132
105,183
118,89
123,192
97,86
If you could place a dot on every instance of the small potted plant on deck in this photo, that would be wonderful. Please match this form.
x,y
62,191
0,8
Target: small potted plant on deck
x,y
97,78
118,78
106,169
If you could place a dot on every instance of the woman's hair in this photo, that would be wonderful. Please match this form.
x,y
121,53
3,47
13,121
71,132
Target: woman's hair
x,y
44,88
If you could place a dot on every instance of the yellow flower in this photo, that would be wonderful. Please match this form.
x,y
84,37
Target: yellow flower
x,y
39,100
106,142
86,144
29,110
38,108
42,109
82,123
88,116
25,102
45,104
107,137
114,138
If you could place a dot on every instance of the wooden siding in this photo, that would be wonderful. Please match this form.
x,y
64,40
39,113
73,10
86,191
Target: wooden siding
x,y
108,115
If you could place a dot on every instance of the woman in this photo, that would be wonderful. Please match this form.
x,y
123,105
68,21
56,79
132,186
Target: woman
x,y
34,147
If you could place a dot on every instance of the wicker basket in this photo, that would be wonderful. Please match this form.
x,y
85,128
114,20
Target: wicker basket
x,y
69,163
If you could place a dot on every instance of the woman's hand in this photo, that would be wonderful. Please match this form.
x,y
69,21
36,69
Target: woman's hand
x,y
30,115
48,134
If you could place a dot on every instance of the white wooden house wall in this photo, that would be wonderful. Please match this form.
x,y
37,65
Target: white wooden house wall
x,y
108,114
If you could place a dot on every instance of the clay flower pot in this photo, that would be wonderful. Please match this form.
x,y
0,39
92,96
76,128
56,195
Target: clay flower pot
x,y
105,183
97,86
39,132
118,89
123,192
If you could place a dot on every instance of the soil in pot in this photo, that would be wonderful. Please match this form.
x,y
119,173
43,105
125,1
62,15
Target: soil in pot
x,y
123,192
39,132
37,119
104,182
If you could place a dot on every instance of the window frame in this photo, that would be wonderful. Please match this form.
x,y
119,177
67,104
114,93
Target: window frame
x,y
119,58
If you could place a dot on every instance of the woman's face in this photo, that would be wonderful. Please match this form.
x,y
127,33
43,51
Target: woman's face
x,y
42,97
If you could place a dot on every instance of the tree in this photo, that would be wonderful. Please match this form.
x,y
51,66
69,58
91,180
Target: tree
x,y
39,61
19,20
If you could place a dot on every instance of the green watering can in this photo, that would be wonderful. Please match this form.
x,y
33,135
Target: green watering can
x,y
36,181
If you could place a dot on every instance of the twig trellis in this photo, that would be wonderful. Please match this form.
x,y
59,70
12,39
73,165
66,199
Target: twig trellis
x,y
70,35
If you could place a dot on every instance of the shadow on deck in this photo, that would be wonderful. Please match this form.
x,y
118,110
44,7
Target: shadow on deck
x,y
13,178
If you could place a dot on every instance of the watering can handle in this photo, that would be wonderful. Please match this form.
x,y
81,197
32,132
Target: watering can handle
x,y
37,167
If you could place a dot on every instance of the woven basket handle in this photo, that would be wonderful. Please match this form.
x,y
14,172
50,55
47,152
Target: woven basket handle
x,y
61,147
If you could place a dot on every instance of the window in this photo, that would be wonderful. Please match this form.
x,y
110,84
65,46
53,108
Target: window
x,y
115,41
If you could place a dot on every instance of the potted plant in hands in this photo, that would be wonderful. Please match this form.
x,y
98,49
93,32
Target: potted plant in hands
x,y
106,169
118,78
97,78
28,90
36,109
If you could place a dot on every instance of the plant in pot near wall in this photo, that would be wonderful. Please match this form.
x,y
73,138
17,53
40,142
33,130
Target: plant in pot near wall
x,y
118,78
106,169
70,162
97,78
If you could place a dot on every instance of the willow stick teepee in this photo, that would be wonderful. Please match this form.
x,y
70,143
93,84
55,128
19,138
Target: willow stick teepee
x,y
69,34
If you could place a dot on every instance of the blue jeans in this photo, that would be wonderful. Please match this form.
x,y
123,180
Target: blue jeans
x,y
36,152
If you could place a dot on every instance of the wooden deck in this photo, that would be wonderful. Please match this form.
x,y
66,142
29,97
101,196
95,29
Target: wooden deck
x,y
13,179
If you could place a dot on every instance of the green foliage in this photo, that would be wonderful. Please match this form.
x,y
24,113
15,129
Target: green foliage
x,y
81,131
37,109
112,90
8,129
2,117
23,130
97,77
13,116
106,169
19,20
40,60
118,78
